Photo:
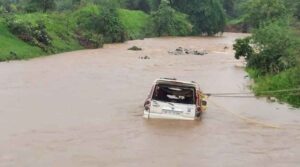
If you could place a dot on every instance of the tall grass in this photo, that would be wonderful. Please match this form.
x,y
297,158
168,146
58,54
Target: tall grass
x,y
289,79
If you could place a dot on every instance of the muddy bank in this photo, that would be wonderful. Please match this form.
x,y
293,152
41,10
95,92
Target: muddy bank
x,y
84,108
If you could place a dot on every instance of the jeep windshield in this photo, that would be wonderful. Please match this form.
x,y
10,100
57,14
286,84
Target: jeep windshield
x,y
174,94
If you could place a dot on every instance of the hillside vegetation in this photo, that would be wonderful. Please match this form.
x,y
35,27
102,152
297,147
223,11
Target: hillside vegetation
x,y
66,31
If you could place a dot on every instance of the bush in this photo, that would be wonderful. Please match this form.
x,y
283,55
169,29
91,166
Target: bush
x,y
109,24
22,30
102,21
271,49
91,40
134,22
144,5
206,16
86,17
243,49
261,11
36,35
166,21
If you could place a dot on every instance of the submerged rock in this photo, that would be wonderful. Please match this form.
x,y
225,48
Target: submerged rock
x,y
135,48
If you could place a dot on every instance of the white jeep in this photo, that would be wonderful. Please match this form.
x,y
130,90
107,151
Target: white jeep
x,y
173,99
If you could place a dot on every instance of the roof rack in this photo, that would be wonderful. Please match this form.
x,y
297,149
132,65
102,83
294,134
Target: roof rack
x,y
169,78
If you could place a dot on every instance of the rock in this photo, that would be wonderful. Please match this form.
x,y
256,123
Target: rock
x,y
184,51
271,99
179,49
135,48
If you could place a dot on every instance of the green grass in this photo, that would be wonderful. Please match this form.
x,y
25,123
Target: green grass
x,y
9,43
289,79
62,28
135,22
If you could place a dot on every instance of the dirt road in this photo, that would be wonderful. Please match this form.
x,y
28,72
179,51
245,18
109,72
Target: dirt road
x,y
84,109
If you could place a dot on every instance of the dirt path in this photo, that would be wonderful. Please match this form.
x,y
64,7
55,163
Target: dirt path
x,y
84,108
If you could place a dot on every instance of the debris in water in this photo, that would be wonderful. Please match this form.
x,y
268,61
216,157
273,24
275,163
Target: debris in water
x,y
135,48
271,99
145,57
184,51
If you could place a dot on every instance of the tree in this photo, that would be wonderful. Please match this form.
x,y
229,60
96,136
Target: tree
x,y
207,16
144,5
294,7
7,6
109,24
44,5
229,6
167,21
271,49
261,11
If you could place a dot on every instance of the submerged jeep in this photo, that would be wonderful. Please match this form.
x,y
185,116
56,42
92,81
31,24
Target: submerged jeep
x,y
173,99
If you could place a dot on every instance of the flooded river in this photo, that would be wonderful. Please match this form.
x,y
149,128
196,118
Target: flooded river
x,y
84,109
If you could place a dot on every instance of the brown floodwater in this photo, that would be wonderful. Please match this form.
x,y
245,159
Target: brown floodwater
x,y
84,108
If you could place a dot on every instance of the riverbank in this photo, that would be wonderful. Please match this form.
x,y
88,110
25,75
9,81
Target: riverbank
x,y
66,31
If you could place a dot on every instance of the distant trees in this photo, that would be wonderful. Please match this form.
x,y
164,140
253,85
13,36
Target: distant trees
x,y
207,16
229,7
260,11
294,7
167,21
44,5
144,5
7,6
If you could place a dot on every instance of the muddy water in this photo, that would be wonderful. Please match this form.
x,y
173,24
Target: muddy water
x,y
84,108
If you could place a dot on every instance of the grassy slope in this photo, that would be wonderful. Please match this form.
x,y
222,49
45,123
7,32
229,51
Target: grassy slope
x,y
10,43
61,27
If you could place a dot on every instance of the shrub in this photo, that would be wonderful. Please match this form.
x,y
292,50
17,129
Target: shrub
x,y
271,49
134,22
22,30
206,16
243,49
102,21
166,21
91,40
40,34
261,11
109,24
36,35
